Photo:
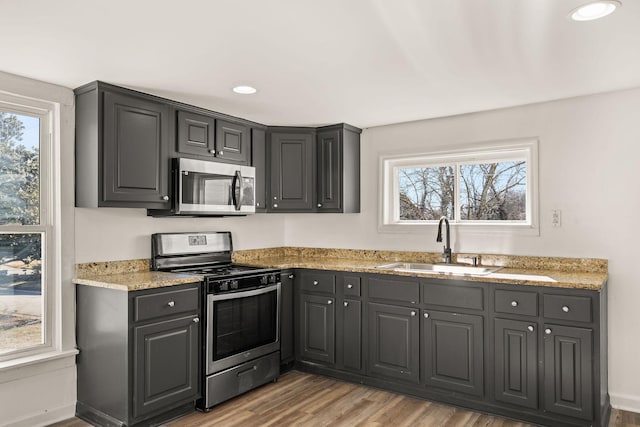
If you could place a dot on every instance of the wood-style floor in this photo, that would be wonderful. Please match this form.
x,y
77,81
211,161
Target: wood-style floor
x,y
300,399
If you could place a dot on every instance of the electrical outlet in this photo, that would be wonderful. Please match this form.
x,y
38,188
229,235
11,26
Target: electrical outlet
x,y
556,217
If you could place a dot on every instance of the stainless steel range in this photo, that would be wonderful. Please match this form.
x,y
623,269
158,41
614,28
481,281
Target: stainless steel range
x,y
241,339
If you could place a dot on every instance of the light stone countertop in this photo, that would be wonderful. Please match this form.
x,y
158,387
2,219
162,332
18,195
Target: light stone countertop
x,y
135,281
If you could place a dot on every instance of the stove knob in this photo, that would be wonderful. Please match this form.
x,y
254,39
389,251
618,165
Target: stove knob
x,y
234,284
224,286
272,278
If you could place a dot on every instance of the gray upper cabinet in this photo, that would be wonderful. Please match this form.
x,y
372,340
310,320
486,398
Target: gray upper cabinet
x,y
259,161
196,134
122,142
233,142
292,170
338,163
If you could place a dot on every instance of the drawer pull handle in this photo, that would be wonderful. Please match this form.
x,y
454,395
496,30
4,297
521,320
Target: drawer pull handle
x,y
426,315
514,303
350,286
196,320
171,303
530,328
329,302
565,308
346,304
247,371
291,276
413,313
315,283
547,331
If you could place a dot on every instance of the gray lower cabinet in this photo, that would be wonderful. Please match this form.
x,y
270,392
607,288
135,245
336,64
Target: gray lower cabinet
x,y
515,362
453,351
317,323
122,148
394,338
139,360
568,377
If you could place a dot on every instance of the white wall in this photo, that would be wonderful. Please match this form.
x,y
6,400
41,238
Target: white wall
x,y
589,161
110,234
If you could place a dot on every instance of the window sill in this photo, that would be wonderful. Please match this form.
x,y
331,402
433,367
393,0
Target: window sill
x,y
27,366
471,229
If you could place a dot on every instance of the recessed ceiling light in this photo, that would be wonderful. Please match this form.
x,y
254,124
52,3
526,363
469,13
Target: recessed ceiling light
x,y
245,90
594,10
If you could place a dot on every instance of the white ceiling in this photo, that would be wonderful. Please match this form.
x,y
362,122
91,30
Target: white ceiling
x,y
316,62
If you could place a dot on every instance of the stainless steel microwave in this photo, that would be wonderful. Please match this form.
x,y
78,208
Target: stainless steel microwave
x,y
206,188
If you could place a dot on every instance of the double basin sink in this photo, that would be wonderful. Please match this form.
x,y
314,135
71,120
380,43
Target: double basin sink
x,y
453,269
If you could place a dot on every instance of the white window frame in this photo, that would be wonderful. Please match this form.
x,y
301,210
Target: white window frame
x,y
49,220
389,164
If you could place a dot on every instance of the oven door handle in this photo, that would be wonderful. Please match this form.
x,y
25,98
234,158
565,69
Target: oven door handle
x,y
244,294
239,182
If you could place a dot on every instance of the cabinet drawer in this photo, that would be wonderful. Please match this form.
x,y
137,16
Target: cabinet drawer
x,y
394,290
516,302
351,286
165,303
567,307
319,282
453,296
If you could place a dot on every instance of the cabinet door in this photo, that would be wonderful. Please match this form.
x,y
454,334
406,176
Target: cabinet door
x,y
232,142
165,366
351,334
452,351
286,317
292,172
259,161
394,342
329,171
516,362
135,151
568,367
196,134
317,332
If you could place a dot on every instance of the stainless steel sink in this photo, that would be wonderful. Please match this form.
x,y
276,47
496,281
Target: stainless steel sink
x,y
455,269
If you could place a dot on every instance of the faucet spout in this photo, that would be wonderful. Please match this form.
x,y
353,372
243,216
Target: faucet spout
x,y
446,253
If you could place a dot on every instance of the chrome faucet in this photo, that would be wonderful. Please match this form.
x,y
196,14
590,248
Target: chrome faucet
x,y
446,254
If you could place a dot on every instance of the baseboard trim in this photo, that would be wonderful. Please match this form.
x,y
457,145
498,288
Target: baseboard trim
x,y
46,418
626,402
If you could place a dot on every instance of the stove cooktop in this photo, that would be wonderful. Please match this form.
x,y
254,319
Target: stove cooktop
x,y
228,270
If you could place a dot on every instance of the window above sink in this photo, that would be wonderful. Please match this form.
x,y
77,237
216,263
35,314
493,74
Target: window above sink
x,y
489,187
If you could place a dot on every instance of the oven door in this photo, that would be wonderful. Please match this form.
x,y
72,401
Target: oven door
x,y
242,326
210,188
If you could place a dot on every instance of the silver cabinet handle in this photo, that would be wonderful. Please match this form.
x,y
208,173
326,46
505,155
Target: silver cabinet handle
x,y
514,303
165,198
291,276
530,328
346,304
315,283
196,320
426,315
319,205
413,313
565,308
171,303
275,205
185,173
329,302
220,153
547,331
350,286
212,151
258,204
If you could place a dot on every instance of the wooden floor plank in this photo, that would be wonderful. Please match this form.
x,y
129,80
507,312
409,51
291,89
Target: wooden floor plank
x,y
305,400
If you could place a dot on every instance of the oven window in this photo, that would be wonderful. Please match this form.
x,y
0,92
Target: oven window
x,y
244,323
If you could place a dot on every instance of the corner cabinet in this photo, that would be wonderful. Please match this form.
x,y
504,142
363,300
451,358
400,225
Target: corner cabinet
x,y
122,142
139,360
314,169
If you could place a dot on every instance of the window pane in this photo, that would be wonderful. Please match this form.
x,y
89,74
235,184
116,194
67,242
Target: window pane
x,y
19,169
20,291
493,191
426,193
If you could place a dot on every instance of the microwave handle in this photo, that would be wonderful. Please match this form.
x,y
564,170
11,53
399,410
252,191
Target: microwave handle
x,y
237,179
